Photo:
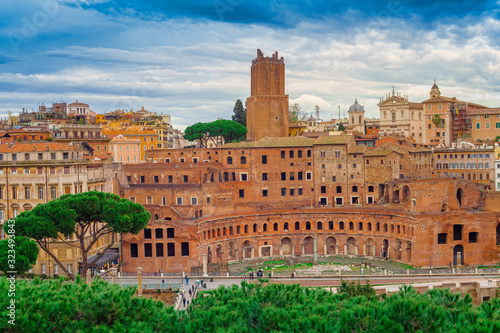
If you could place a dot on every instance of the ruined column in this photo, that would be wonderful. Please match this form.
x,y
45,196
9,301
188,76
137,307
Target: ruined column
x,y
113,275
315,250
356,249
345,249
253,253
364,249
325,249
303,247
139,282
281,250
336,248
293,249
205,271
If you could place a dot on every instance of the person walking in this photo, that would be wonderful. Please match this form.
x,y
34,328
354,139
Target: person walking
x,y
184,301
187,280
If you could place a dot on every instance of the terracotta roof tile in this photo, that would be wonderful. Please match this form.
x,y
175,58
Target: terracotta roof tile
x,y
39,147
333,139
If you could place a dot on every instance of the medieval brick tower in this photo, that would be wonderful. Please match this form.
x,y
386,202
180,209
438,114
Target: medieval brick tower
x,y
267,107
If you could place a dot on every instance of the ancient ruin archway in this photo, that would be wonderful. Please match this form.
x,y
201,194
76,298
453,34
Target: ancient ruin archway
x,y
232,251
458,255
351,246
408,252
385,248
218,252
397,250
247,250
209,255
286,246
395,194
370,247
331,245
308,246
460,196
406,193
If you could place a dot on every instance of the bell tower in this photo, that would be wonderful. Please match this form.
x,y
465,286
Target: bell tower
x,y
267,106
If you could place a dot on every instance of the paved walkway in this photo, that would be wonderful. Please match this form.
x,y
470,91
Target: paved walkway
x,y
194,287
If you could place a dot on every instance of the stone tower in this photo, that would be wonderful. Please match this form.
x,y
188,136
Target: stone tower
x,y
267,107
435,91
357,117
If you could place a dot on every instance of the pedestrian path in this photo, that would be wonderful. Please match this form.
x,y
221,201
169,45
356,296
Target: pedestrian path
x,y
189,296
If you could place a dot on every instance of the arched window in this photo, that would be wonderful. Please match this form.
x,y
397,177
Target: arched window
x,y
285,226
264,227
377,226
238,229
360,225
369,226
233,176
352,120
351,226
297,225
224,231
308,225
275,226
255,227
204,234
229,160
360,119
319,225
231,230
399,229
341,225
246,229
218,232
226,176
394,116
330,225
337,153
385,227
392,228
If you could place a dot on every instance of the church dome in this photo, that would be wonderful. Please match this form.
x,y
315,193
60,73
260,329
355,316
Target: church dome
x,y
356,107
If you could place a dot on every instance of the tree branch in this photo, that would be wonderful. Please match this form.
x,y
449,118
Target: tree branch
x,y
65,242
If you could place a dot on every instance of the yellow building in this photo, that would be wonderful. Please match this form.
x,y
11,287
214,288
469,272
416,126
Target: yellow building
x,y
147,136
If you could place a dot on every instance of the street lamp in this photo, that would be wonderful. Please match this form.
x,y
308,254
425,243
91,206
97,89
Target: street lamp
x,y
430,262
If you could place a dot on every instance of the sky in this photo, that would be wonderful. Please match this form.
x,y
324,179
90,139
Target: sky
x,y
191,59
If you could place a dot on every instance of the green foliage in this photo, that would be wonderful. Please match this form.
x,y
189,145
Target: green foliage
x,y
436,120
77,214
23,257
352,289
295,113
240,113
54,306
497,138
341,127
216,131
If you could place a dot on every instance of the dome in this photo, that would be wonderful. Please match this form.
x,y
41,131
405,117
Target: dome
x,y
356,107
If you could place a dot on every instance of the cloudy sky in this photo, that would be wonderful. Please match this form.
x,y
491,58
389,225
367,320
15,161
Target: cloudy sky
x,y
191,59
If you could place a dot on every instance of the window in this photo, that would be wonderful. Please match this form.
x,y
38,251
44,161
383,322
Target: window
x,y
283,154
178,200
14,192
283,176
264,176
14,157
355,189
26,192
300,175
27,157
148,250
299,153
457,232
339,189
264,159
264,193
478,126
40,156
283,192
442,238
309,153
297,225
243,177
40,193
291,154
53,192
185,178
292,192
229,160
308,176
171,249
323,189
185,249
339,201
169,178
301,191
142,179
323,153
341,225
170,233
242,193
147,233
243,160
159,249
472,237
292,175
